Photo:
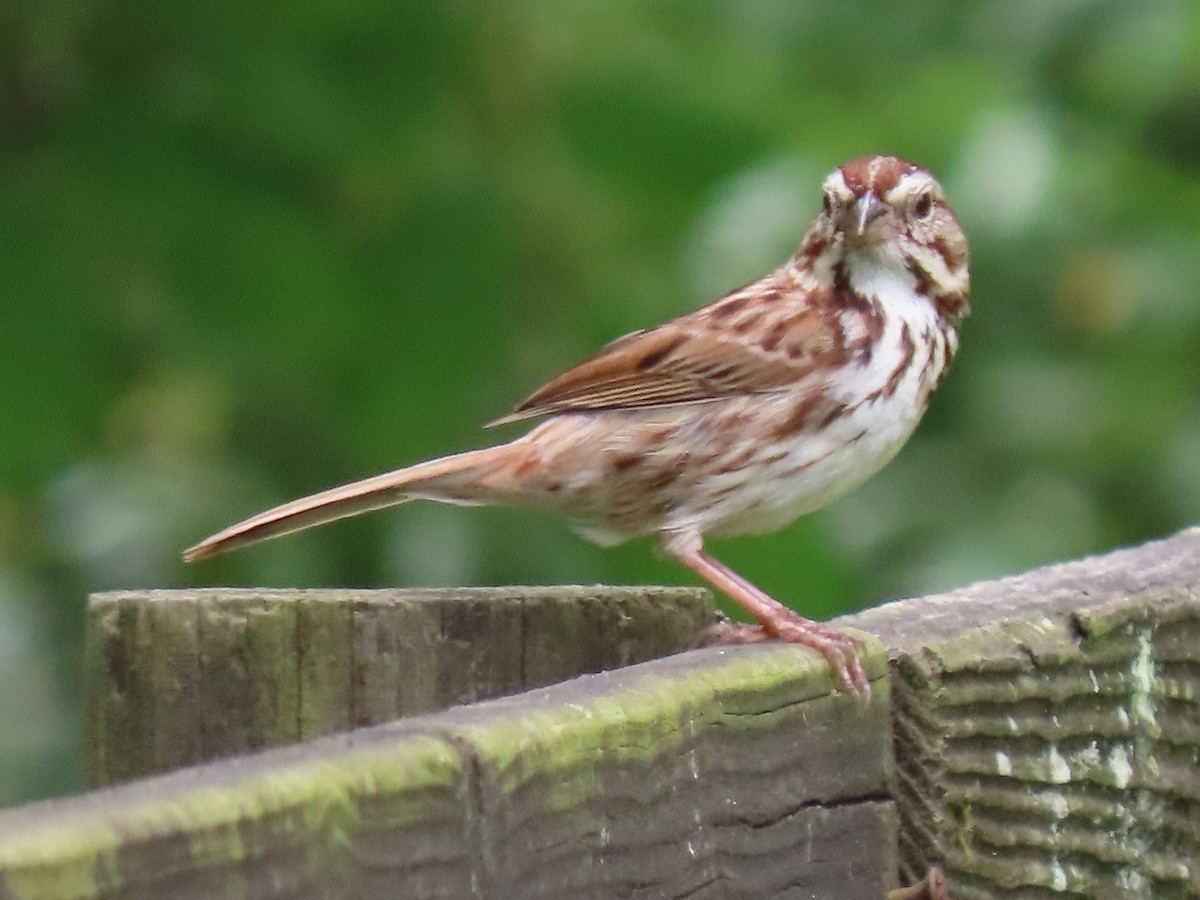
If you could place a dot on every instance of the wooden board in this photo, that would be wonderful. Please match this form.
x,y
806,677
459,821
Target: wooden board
x,y
178,677
1048,728
722,772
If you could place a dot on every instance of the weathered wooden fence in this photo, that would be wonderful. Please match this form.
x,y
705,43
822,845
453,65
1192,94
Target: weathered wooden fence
x,y
1036,737
1047,728
181,677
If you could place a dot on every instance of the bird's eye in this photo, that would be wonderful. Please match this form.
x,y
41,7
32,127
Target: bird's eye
x,y
924,206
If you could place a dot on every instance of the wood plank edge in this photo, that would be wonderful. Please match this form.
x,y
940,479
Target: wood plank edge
x,y
71,847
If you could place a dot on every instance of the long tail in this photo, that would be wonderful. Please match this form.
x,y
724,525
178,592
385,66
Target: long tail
x,y
460,478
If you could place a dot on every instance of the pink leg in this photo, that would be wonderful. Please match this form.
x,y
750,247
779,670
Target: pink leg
x,y
931,887
775,619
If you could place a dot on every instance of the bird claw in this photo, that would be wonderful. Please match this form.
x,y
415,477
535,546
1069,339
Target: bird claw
x,y
931,887
728,632
842,652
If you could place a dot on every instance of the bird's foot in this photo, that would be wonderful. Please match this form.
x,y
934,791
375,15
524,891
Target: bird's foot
x,y
842,652
931,887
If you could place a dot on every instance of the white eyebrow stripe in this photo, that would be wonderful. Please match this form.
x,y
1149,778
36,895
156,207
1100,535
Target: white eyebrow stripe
x,y
912,183
836,183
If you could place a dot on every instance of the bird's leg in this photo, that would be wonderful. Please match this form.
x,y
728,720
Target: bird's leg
x,y
775,620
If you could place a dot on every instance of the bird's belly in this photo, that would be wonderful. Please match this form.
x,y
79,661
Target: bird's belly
x,y
724,468
811,469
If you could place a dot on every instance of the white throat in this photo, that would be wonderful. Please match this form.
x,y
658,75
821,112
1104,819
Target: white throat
x,y
883,278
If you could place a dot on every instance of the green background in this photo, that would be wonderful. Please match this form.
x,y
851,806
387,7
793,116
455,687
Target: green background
x,y
255,249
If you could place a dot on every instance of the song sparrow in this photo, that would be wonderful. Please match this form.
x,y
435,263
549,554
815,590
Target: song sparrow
x,y
739,417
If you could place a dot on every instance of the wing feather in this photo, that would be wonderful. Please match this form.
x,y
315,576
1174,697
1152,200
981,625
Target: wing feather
x,y
703,356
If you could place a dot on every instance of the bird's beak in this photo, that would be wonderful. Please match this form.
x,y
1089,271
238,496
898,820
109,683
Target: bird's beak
x,y
867,209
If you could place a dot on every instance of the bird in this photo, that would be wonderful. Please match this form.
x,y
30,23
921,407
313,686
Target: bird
x,y
739,417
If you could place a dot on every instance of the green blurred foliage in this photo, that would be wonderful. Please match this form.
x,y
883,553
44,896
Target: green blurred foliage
x,y
255,249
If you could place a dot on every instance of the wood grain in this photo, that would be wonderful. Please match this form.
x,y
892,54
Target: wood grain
x,y
1048,728
177,677
722,772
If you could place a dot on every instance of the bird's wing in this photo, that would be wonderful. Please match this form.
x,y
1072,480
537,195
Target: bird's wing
x,y
751,341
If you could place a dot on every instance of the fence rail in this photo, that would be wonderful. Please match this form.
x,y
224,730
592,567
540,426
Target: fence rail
x,y
1048,728
1034,737
718,772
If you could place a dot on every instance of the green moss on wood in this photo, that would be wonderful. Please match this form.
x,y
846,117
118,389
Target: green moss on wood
x,y
520,794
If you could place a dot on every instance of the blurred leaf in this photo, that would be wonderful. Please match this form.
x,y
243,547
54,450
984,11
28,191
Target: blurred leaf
x,y
252,250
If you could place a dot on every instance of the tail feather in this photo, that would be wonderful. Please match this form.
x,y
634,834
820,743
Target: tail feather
x,y
388,489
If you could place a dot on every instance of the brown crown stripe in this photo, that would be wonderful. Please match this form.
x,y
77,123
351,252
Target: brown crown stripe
x,y
875,173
